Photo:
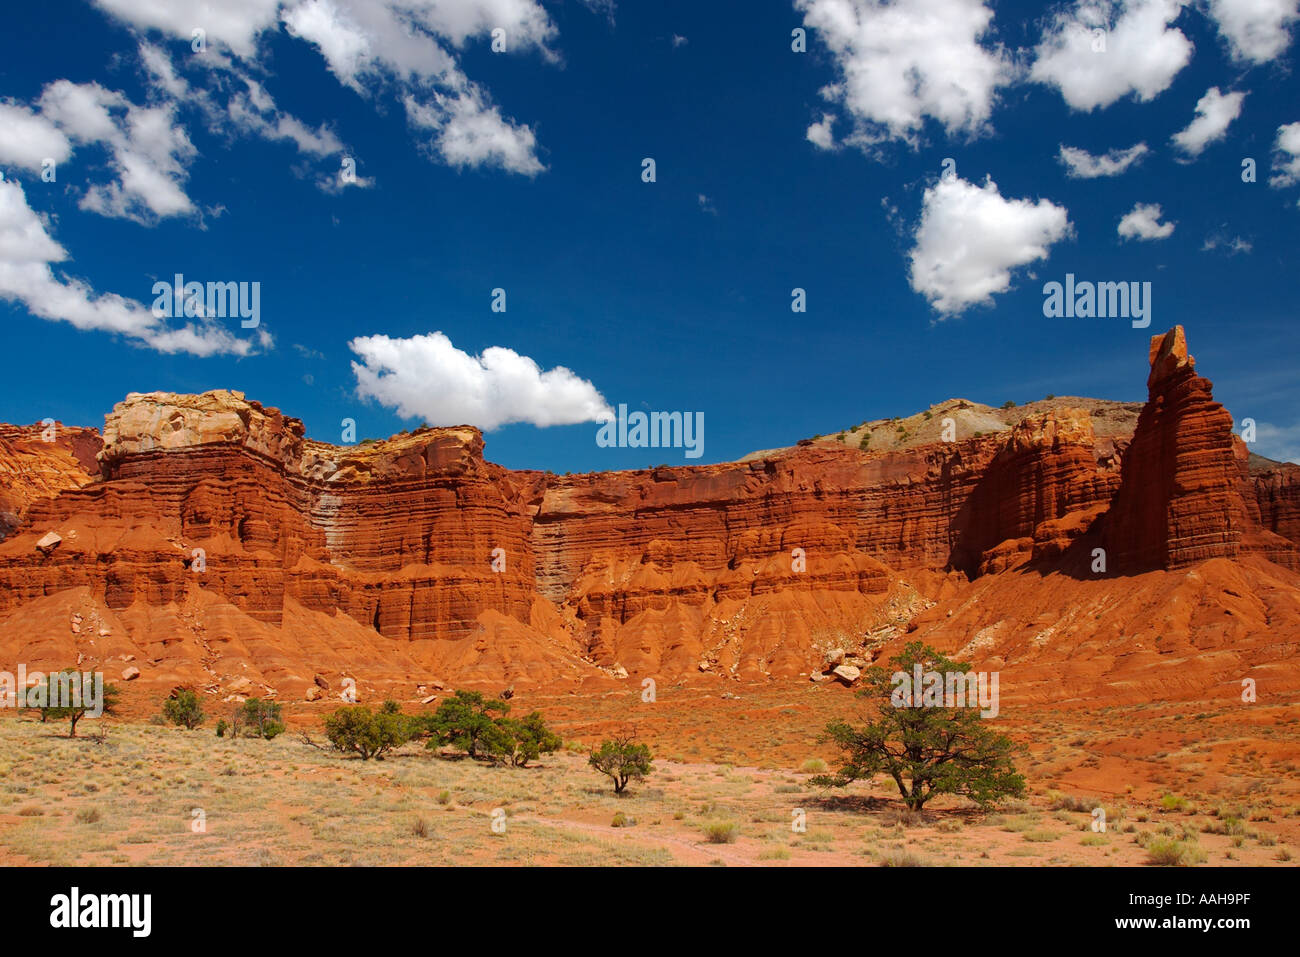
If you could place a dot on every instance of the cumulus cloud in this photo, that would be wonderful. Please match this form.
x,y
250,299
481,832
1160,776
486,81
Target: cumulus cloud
x,y
901,63
28,139
235,24
426,377
1143,222
26,253
1214,112
1286,156
468,131
1103,50
1256,30
1080,164
820,133
372,47
970,239
368,45
147,149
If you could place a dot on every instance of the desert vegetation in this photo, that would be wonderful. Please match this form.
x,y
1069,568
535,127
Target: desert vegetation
x,y
926,751
751,796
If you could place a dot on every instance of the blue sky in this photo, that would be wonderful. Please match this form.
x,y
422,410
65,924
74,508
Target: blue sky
x,y
522,171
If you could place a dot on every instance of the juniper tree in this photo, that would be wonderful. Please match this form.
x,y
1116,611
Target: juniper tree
x,y
529,738
926,750
369,734
622,759
466,722
71,694
184,709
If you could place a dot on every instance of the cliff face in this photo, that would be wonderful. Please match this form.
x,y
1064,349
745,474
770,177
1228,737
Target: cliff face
x,y
213,544
39,461
1180,500
1276,493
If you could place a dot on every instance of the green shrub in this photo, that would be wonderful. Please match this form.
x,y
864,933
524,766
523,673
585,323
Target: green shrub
x,y
356,729
259,719
465,722
622,759
901,859
721,832
529,738
1067,802
1170,853
184,709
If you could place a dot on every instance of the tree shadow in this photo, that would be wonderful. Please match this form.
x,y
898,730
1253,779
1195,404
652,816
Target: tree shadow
x,y
851,803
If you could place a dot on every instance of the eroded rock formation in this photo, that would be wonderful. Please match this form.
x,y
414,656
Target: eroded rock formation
x,y
209,542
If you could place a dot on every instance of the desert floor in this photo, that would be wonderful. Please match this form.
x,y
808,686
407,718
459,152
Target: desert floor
x,y
1183,782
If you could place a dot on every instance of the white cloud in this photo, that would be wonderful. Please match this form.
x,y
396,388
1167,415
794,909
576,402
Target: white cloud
x,y
1286,156
1103,50
234,24
162,73
26,253
367,44
902,62
248,108
1214,112
371,46
603,8
1080,164
970,239
254,111
347,47
1143,222
470,132
147,150
1256,30
1232,244
1277,442
427,377
820,133
27,139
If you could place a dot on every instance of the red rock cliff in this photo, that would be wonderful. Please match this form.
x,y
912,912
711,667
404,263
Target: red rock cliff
x,y
215,543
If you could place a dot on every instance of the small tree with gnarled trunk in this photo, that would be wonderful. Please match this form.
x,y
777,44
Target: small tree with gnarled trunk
x,y
622,759
927,750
